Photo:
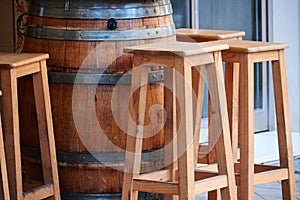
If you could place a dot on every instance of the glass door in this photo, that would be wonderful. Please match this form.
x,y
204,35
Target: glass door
x,y
245,15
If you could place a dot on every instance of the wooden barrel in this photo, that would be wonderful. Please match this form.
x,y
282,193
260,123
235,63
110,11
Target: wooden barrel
x,y
85,40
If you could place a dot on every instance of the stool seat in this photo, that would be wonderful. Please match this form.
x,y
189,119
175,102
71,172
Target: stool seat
x,y
175,48
246,46
200,35
10,60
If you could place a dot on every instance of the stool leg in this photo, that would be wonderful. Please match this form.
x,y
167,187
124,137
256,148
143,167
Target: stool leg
x,y
211,137
220,125
3,166
185,147
45,127
283,126
12,132
198,79
232,95
246,128
170,127
134,144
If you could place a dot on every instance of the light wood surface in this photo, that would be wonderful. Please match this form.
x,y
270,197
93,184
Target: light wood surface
x,y
200,35
246,53
239,59
285,143
14,68
11,134
10,60
246,46
185,147
3,165
175,48
134,139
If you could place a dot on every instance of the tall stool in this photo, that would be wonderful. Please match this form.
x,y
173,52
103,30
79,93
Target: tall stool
x,y
183,178
207,153
12,67
3,164
246,53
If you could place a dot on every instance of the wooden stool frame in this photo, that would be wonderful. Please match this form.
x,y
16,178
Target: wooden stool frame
x,y
246,53
285,172
207,153
14,66
3,165
186,181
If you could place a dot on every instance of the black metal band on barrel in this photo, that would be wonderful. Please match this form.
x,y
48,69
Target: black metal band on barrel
x,y
88,9
154,77
100,35
95,158
109,196
80,196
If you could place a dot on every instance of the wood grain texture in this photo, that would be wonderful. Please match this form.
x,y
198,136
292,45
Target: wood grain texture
x,y
45,126
246,128
184,184
247,46
12,132
3,165
208,155
89,57
110,57
10,60
175,48
283,125
220,125
246,56
184,114
135,132
203,35
28,66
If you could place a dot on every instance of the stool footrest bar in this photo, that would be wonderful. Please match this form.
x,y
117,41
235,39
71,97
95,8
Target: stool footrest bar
x,y
41,192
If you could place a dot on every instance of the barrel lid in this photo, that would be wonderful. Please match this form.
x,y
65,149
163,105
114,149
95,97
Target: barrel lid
x,y
100,9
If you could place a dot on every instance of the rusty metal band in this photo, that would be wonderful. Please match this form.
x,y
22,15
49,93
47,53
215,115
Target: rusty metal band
x,y
95,158
111,196
154,77
100,35
100,10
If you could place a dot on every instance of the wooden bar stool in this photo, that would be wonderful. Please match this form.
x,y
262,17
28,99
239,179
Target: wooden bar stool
x,y
207,153
12,67
182,178
3,164
246,53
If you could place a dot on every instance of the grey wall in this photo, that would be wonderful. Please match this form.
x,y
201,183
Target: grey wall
x,y
228,14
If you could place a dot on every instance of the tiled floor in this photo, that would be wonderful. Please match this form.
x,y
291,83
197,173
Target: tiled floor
x,y
271,191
